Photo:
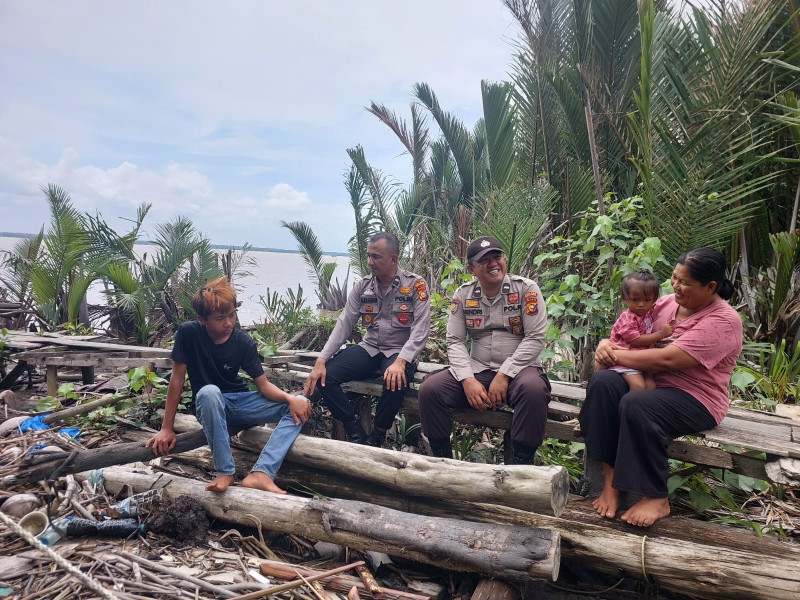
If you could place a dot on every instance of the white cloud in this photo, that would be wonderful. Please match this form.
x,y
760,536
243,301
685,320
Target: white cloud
x,y
285,197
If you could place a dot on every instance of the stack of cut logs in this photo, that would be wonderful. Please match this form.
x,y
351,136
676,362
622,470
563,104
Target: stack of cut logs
x,y
507,522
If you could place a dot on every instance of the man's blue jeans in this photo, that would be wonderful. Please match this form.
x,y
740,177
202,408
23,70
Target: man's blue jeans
x,y
224,414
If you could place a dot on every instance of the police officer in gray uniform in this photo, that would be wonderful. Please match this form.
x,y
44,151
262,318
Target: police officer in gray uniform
x,y
505,318
394,308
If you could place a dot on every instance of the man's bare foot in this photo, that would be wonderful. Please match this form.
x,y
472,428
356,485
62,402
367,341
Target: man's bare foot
x,y
220,483
608,502
261,481
646,512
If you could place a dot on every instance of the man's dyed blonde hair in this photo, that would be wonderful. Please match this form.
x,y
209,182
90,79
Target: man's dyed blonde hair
x,y
214,295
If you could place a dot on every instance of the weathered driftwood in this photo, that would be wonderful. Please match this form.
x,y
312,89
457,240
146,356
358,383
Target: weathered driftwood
x,y
82,409
511,552
687,556
43,467
537,489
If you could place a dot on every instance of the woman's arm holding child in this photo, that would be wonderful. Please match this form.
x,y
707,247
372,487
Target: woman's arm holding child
x,y
648,339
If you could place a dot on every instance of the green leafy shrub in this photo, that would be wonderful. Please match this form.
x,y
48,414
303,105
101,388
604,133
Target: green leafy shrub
x,y
580,276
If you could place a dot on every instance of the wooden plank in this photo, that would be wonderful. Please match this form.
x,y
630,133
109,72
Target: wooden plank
x,y
22,333
52,380
12,377
87,375
73,342
11,343
683,450
129,362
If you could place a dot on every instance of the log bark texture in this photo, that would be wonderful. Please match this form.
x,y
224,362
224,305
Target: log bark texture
x,y
537,489
691,557
40,468
512,552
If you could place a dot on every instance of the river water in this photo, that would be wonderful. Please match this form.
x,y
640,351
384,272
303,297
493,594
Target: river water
x,y
275,271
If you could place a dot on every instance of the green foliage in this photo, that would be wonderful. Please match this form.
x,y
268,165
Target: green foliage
x,y
142,377
404,430
453,277
284,317
66,391
464,441
332,296
75,328
566,454
48,404
5,351
766,376
581,290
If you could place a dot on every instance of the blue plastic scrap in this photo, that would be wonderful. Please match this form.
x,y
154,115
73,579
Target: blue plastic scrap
x,y
73,432
34,423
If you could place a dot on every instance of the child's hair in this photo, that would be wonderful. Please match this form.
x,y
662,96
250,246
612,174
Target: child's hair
x,y
644,278
215,294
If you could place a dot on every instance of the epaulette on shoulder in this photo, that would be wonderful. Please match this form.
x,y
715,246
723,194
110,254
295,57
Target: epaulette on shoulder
x,y
521,278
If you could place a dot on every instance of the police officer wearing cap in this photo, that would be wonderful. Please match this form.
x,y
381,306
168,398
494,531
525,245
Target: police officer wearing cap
x,y
394,308
505,318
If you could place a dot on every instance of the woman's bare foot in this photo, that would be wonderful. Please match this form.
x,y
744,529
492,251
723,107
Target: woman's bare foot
x,y
646,512
220,483
261,481
608,502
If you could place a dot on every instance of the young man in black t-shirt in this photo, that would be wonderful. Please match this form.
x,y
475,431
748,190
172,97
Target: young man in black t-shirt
x,y
212,352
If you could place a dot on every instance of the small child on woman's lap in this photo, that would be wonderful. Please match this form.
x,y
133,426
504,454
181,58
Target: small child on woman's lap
x,y
634,327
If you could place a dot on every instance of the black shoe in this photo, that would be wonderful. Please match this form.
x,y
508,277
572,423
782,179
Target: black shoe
x,y
354,433
441,448
376,438
523,454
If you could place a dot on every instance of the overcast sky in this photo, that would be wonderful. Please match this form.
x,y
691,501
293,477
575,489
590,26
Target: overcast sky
x,y
236,114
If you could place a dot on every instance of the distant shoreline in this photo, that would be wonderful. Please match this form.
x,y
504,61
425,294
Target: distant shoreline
x,y
13,234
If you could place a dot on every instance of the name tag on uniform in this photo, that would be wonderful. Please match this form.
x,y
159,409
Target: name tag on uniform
x,y
512,308
369,300
402,298
473,311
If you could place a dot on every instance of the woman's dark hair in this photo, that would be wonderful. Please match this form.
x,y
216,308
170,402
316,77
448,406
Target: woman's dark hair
x,y
644,278
706,265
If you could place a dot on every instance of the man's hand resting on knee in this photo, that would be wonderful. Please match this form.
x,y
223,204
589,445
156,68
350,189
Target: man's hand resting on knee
x,y
476,393
317,374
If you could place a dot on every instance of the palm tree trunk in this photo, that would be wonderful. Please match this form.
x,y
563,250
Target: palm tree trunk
x,y
744,273
598,187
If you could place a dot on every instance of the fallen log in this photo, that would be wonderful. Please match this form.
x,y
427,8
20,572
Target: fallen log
x,y
511,552
42,467
540,489
537,489
686,556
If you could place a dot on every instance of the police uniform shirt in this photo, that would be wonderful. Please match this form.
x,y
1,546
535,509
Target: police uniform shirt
x,y
507,332
397,323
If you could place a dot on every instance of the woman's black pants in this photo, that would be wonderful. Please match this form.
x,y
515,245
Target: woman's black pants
x,y
631,430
